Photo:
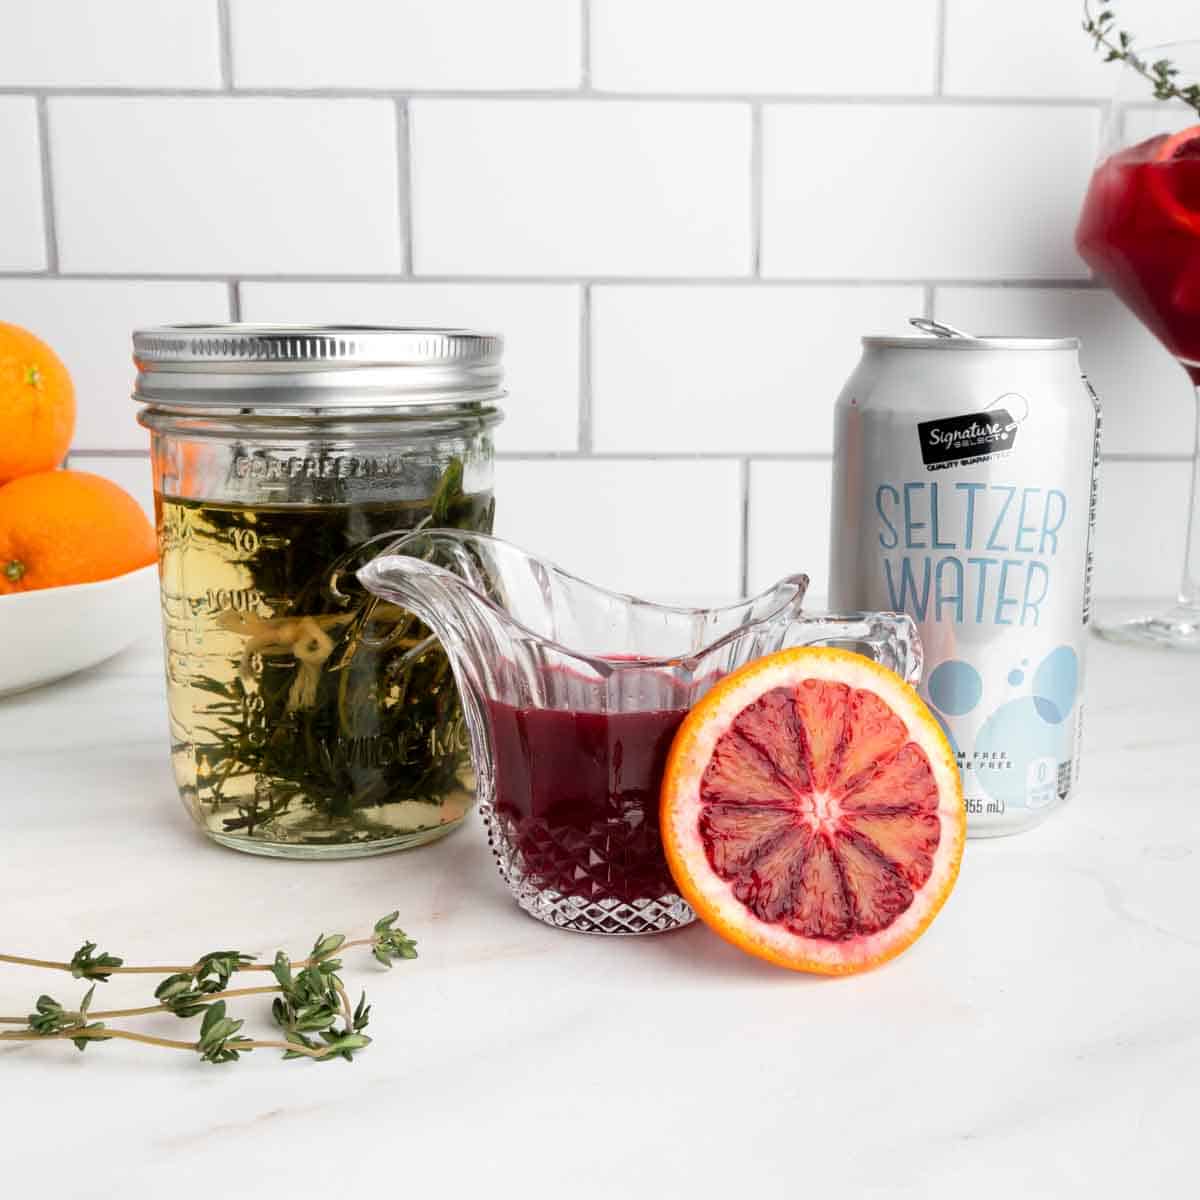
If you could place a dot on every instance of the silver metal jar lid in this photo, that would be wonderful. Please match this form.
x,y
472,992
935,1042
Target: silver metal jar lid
x,y
947,337
314,369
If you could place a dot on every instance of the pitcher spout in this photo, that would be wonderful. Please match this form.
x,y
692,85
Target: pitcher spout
x,y
447,579
497,608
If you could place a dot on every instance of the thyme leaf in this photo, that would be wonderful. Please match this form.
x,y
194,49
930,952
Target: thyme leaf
x,y
86,964
1117,45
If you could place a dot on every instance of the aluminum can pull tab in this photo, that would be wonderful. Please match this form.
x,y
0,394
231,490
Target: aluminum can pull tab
x,y
938,328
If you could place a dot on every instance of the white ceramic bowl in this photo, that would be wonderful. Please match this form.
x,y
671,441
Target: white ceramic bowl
x,y
56,631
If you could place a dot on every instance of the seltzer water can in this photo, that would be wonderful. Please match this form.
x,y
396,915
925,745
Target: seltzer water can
x,y
964,493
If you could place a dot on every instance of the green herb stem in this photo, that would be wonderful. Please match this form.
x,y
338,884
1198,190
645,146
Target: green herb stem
x,y
35,962
347,1007
130,1035
1161,74
18,960
150,1009
191,969
99,1034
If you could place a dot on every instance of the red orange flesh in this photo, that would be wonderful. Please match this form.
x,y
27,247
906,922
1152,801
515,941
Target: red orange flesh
x,y
812,811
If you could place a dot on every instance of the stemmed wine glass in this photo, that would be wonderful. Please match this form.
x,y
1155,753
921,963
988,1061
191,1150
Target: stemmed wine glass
x,y
1140,232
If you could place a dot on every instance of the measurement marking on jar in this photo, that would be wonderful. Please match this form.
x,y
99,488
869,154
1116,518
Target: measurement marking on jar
x,y
245,541
232,599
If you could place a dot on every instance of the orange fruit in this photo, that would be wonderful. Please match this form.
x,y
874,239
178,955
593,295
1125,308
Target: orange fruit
x,y
812,812
62,527
1173,190
1179,145
37,405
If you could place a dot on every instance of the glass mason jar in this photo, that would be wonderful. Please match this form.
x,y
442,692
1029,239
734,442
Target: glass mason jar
x,y
309,719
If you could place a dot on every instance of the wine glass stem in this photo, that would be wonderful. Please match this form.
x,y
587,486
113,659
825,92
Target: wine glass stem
x,y
1189,587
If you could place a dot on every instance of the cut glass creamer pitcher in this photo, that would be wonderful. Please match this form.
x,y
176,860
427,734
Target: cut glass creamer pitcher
x,y
572,695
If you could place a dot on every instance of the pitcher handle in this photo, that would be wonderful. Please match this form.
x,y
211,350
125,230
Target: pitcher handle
x,y
890,638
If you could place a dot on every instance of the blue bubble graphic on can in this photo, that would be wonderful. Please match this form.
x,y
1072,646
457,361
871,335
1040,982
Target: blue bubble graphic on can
x,y
955,687
1055,683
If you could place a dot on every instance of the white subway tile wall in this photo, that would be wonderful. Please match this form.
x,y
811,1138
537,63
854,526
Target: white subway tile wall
x,y
789,524
663,530
119,43
945,191
1035,48
411,44
682,216
764,46
22,230
580,187
728,370
164,186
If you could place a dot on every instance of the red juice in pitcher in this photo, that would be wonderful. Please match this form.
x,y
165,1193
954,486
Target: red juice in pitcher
x,y
578,794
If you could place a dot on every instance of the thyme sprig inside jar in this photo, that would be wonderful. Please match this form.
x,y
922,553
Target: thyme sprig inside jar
x,y
307,718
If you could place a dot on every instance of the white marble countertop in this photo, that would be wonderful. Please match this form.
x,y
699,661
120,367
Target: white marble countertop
x,y
1042,1039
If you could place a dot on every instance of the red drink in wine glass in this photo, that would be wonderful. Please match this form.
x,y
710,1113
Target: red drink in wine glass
x,y
1140,232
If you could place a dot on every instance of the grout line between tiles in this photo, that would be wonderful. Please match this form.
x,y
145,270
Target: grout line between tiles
x,y
919,100
235,300
745,460
225,47
404,188
939,49
744,567
585,46
733,281
927,302
755,456
756,188
49,217
656,455
585,370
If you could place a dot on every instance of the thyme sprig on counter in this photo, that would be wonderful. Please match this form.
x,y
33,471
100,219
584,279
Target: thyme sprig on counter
x,y
1118,46
311,1005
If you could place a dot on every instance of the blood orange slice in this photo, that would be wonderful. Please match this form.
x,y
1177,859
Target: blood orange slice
x,y
812,813
1173,177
